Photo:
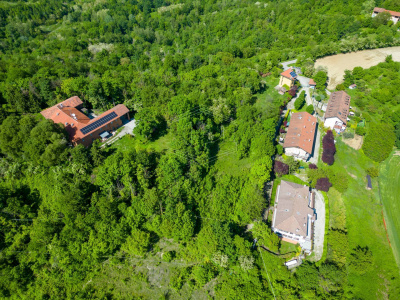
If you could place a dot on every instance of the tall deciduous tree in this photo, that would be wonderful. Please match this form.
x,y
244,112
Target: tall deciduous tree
x,y
329,148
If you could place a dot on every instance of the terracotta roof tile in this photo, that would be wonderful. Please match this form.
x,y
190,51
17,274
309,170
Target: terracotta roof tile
x,y
312,82
338,106
287,74
392,13
301,131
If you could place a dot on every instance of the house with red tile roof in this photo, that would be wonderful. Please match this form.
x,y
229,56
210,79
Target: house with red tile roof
x,y
288,78
394,15
337,111
81,128
300,137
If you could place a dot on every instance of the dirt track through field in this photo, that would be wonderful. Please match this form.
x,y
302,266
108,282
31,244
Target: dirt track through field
x,y
337,64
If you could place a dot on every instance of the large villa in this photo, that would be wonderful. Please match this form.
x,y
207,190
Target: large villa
x,y
294,214
81,128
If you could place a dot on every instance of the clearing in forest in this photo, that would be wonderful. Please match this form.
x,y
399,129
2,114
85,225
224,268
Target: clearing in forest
x,y
389,184
337,64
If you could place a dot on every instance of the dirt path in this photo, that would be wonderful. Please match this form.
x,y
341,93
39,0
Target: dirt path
x,y
337,64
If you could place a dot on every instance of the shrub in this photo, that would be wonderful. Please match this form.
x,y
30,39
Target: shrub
x,y
323,184
281,168
312,166
348,135
292,163
379,141
314,175
292,92
279,149
340,87
310,109
169,256
372,171
361,131
339,180
203,274
282,130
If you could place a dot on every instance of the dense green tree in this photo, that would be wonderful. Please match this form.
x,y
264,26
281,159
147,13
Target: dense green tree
x,y
300,101
137,243
375,146
310,109
320,79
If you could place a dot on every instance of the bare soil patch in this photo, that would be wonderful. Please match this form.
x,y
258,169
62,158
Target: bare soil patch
x,y
355,142
337,64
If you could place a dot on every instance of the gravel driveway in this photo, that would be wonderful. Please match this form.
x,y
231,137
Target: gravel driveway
x,y
319,226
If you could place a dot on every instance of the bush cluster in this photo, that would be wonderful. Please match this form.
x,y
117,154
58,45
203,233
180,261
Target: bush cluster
x,y
281,168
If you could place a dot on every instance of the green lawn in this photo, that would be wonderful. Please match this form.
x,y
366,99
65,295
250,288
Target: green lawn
x,y
337,210
228,162
363,220
286,247
389,184
270,95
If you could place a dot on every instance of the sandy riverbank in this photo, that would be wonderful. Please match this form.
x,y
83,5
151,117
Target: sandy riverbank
x,y
337,64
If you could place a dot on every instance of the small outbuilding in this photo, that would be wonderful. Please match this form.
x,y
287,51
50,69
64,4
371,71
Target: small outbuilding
x,y
369,184
312,83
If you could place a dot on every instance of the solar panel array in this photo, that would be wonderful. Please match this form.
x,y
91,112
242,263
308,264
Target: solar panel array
x,y
293,74
98,123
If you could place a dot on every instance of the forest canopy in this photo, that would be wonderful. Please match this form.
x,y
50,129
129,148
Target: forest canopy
x,y
198,75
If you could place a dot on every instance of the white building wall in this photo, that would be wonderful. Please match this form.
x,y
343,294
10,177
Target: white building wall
x,y
294,237
297,153
394,19
330,122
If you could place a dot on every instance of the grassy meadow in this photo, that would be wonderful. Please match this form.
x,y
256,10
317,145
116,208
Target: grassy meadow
x,y
389,184
359,212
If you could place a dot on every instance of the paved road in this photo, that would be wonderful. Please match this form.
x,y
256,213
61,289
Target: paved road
x,y
319,226
290,105
287,63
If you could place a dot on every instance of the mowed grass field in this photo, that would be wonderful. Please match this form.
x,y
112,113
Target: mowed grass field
x,y
364,224
389,183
